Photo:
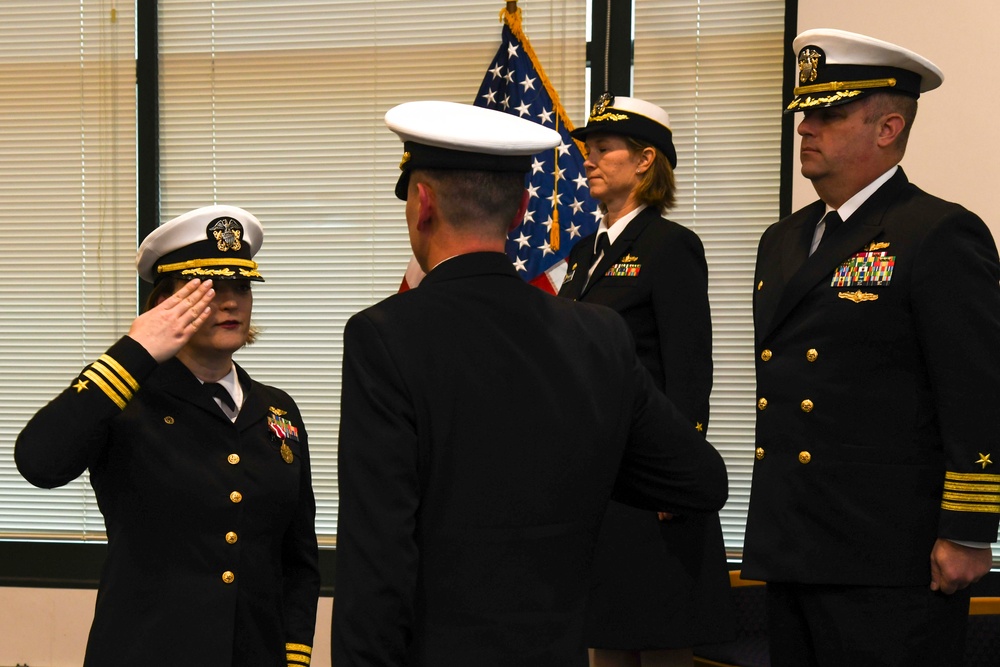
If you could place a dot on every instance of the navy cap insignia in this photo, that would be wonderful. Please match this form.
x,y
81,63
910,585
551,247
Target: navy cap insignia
x,y
809,64
227,233
602,103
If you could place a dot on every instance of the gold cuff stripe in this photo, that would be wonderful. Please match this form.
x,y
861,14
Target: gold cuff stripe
x,y
963,507
973,497
111,393
972,477
126,392
298,655
972,488
845,85
198,263
118,368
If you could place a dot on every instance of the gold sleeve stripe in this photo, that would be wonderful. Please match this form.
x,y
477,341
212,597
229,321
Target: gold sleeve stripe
x,y
972,488
118,368
973,497
298,655
113,379
964,507
972,477
111,393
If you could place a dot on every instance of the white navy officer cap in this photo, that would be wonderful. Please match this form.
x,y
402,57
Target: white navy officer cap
x,y
837,67
631,117
453,136
213,242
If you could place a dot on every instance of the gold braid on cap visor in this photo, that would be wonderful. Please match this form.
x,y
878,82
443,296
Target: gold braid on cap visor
x,y
840,90
197,267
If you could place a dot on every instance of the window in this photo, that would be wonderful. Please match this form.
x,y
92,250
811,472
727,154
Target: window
x,y
273,106
67,211
716,67
277,107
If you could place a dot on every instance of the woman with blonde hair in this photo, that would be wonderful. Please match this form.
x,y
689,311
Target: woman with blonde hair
x,y
660,583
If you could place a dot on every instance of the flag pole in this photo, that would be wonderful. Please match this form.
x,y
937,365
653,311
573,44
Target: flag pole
x,y
511,16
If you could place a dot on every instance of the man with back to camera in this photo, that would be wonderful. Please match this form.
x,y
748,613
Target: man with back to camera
x,y
875,491
477,452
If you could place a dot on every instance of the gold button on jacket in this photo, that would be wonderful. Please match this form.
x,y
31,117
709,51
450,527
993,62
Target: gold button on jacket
x,y
231,537
812,355
759,453
765,355
805,457
761,403
228,577
236,496
806,405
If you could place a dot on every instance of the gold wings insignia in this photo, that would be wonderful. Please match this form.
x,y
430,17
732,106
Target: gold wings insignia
x,y
858,297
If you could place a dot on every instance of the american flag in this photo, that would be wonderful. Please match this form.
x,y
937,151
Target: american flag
x,y
560,210
516,83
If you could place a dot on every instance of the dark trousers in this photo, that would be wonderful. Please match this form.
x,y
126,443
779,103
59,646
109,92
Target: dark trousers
x,y
813,625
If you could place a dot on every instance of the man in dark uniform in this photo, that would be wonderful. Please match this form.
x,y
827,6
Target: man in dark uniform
x,y
485,424
875,492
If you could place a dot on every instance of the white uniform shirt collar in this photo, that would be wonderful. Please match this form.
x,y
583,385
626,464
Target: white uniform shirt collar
x,y
848,208
232,384
616,229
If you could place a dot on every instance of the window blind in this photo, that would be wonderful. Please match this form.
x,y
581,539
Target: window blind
x,y
67,216
716,67
277,107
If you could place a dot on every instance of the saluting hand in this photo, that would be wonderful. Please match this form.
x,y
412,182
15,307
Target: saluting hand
x,y
165,329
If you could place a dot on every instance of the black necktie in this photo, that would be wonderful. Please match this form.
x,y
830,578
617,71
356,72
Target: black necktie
x,y
603,244
831,221
222,394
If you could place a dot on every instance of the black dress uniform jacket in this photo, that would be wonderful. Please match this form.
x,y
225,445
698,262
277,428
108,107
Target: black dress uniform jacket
x,y
657,584
484,426
877,392
212,556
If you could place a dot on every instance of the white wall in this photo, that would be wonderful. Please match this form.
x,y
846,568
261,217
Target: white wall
x,y
47,627
954,151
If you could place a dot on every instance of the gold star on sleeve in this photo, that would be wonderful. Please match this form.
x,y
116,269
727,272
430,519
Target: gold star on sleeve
x,y
698,426
984,459
81,385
